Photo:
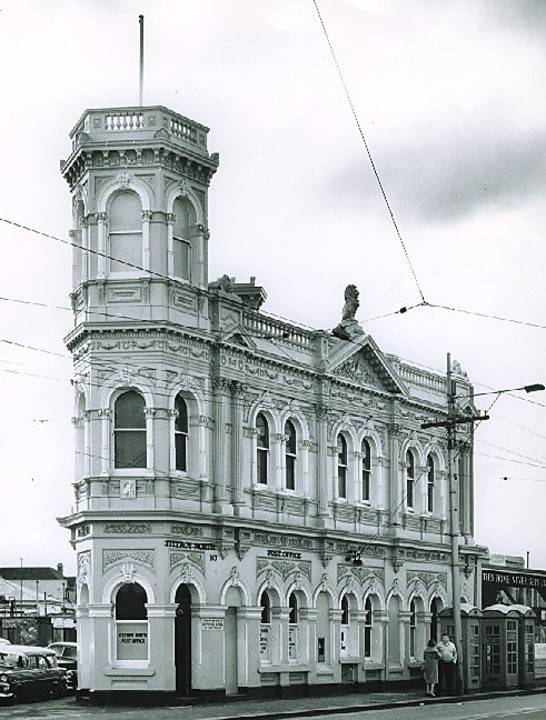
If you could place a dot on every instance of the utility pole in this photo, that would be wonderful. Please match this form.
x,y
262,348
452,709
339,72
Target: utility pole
x,y
454,419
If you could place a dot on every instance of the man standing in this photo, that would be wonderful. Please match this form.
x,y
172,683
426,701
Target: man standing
x,y
446,666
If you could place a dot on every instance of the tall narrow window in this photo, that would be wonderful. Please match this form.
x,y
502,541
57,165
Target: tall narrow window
x,y
293,627
410,479
262,448
181,433
412,629
366,469
125,232
131,623
290,432
344,630
129,431
181,238
430,483
341,466
368,627
434,619
265,628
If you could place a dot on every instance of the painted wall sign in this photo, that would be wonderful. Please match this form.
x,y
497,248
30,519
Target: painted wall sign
x,y
212,623
284,554
189,545
514,579
132,641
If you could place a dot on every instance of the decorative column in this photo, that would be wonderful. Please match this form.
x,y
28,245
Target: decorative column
x,y
236,447
101,241
332,472
404,625
161,620
198,233
278,475
220,399
104,415
282,614
334,617
171,218
149,415
248,622
380,623
85,250
357,485
378,490
394,489
302,476
76,258
423,482
146,218
323,494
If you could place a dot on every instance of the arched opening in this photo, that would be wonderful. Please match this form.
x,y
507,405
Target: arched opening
x,y
413,631
323,628
368,628
181,434
265,628
130,431
131,616
233,601
293,618
344,630
435,608
182,640
393,631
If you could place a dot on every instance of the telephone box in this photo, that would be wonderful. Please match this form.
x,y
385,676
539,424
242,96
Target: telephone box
x,y
469,654
500,656
526,645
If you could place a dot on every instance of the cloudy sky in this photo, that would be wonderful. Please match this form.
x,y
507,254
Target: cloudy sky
x,y
450,95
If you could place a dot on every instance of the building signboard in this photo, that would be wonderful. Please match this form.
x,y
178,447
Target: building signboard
x,y
524,580
132,641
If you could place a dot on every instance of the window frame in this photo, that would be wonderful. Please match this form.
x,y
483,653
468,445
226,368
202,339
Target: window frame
x,y
413,630
120,623
368,629
291,456
366,471
431,483
262,451
410,481
342,466
115,431
183,240
183,433
127,271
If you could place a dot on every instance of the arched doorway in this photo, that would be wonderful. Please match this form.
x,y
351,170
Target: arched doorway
x,y
182,640
233,602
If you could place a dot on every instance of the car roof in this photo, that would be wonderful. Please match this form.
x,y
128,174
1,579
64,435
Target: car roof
x,y
25,650
62,643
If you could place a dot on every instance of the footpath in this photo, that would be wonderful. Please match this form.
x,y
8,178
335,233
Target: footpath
x,y
290,709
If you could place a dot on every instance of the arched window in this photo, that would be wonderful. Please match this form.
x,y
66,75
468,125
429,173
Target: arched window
x,y
434,619
125,231
266,608
291,447
265,628
341,466
368,627
344,630
129,431
181,433
366,469
181,238
410,480
412,629
431,471
131,623
293,627
262,448
344,610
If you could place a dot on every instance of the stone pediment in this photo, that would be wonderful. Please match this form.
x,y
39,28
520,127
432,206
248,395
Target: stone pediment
x,y
238,335
363,363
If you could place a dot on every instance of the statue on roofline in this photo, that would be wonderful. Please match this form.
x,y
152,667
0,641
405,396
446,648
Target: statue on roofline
x,y
349,327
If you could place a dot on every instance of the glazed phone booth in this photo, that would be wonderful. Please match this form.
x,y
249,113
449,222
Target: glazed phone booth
x,y
469,654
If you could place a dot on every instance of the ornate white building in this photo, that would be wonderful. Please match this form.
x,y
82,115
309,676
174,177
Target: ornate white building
x,y
257,509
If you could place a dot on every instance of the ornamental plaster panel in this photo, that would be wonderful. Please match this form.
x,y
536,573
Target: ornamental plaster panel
x,y
178,557
113,556
283,568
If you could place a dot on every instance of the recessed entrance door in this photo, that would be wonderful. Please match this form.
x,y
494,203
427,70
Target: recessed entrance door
x,y
232,684
182,641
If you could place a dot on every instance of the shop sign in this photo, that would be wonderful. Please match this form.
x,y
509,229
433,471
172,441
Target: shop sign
x,y
132,641
189,545
286,554
293,642
514,579
212,623
264,642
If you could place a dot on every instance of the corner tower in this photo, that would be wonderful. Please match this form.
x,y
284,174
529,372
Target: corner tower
x,y
139,178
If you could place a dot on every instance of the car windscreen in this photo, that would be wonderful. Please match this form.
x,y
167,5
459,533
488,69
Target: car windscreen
x,y
70,652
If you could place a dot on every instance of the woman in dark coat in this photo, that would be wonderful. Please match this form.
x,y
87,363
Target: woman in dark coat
x,y
430,667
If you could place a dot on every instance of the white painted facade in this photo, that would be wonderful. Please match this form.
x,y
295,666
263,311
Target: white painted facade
x,y
241,481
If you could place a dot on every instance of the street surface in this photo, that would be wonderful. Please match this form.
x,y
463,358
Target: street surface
x,y
530,707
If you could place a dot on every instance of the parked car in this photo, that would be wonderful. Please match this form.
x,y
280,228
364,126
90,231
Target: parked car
x,y
67,658
3,641
29,673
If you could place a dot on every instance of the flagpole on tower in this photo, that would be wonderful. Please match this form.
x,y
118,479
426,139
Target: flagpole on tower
x,y
141,73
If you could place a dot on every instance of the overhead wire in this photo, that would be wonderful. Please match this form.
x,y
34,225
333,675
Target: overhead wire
x,y
368,151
